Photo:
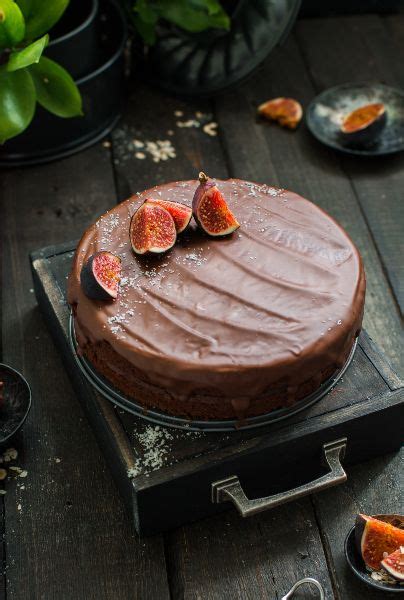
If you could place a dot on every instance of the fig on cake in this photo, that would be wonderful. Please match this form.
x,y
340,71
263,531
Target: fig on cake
x,y
210,209
152,229
101,275
181,213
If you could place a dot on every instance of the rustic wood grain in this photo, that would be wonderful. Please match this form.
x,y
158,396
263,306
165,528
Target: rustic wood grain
x,y
363,52
71,538
367,51
151,117
300,163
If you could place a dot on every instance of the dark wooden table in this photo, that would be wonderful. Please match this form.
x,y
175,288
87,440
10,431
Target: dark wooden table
x,y
70,537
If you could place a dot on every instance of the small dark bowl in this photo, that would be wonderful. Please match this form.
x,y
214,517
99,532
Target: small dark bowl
x,y
74,37
17,403
325,113
355,561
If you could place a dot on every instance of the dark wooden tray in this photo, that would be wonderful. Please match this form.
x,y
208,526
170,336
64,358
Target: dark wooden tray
x,y
165,475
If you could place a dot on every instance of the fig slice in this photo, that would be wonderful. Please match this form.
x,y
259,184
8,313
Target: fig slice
x,y
286,111
210,209
152,229
100,276
181,213
374,538
394,564
364,125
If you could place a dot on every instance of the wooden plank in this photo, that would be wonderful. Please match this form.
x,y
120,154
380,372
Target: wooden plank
x,y
372,487
196,150
378,183
151,117
70,537
230,557
303,165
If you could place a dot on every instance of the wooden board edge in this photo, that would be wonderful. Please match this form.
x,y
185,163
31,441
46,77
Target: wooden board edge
x,y
110,434
392,400
380,362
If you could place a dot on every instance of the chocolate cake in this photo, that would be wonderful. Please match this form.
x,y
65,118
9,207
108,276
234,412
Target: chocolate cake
x,y
224,328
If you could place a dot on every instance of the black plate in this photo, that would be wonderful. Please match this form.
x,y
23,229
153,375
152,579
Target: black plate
x,y
325,113
357,565
17,402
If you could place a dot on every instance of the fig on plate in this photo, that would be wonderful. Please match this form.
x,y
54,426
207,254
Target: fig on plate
x,y
394,564
152,229
286,111
374,537
181,213
363,125
100,276
210,209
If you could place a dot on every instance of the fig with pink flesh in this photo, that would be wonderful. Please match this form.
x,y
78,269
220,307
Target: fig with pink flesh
x,y
152,229
375,537
394,564
210,209
100,276
181,213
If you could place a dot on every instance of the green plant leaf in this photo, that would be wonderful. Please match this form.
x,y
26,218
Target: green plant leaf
x,y
19,59
25,6
148,13
17,103
12,25
42,15
195,16
55,89
146,30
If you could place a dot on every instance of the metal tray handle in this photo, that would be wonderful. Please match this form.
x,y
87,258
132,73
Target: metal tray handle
x,y
230,489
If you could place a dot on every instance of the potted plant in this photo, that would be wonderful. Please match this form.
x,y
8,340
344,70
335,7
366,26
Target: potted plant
x,y
26,76
88,41
202,47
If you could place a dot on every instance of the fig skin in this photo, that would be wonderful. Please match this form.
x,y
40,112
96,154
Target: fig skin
x,y
286,111
394,564
365,132
181,213
207,193
152,229
92,283
373,537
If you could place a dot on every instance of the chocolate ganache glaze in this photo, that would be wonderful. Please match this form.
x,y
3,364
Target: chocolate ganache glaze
x,y
224,327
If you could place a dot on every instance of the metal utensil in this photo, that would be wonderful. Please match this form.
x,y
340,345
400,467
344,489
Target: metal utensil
x,y
314,582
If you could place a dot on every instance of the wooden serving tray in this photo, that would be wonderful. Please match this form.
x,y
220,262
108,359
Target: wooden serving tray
x,y
170,476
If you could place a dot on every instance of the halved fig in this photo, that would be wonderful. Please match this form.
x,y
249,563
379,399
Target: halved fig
x,y
394,564
286,111
374,537
364,125
152,229
210,209
181,213
100,276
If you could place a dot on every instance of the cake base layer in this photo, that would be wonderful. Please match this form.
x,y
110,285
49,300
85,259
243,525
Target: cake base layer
x,y
201,405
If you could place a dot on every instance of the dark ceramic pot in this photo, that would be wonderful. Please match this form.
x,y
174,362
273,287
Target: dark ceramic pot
x,y
74,37
214,61
50,137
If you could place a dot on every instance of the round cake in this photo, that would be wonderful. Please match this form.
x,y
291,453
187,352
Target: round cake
x,y
223,328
